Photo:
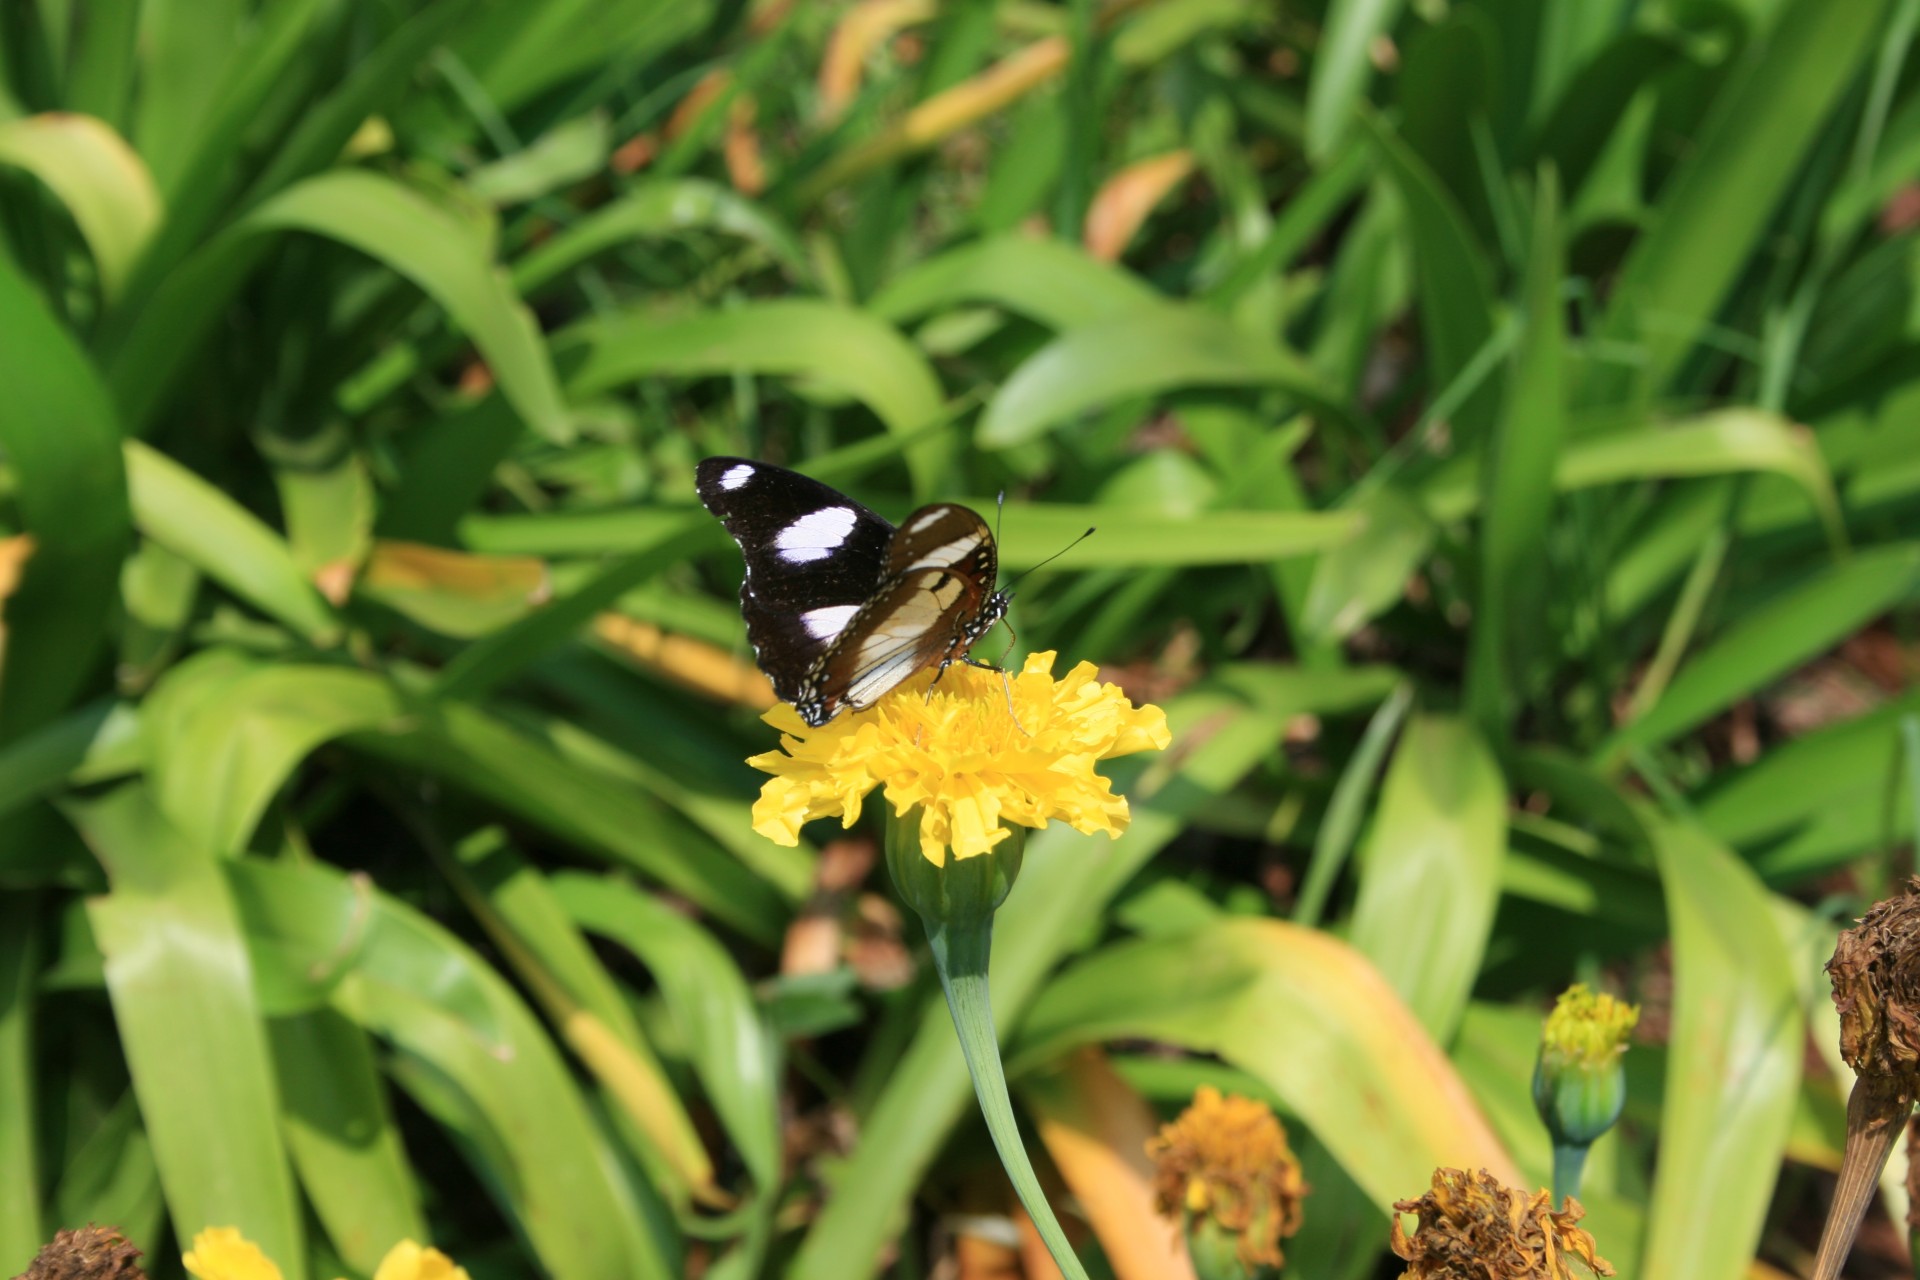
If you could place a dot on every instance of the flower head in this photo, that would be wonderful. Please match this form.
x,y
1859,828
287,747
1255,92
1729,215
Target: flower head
x,y
222,1253
411,1261
89,1253
958,755
1587,1029
1876,987
1225,1164
1473,1228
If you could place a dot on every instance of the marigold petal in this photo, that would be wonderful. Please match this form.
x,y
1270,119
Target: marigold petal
x,y
222,1253
410,1260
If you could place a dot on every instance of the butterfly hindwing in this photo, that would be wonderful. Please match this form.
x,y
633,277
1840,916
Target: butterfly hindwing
x,y
813,557
840,606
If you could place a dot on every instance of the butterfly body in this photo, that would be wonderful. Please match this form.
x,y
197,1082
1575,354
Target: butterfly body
x,y
841,606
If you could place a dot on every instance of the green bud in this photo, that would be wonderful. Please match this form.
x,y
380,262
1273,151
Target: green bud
x,y
1579,1083
960,890
1216,1252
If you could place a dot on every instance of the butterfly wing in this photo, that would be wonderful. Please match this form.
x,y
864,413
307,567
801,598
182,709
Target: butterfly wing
x,y
937,600
813,557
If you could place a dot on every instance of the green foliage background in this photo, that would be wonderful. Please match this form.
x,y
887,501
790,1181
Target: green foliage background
x,y
1512,397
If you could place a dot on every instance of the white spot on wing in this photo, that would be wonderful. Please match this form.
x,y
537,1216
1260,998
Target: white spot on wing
x,y
828,621
927,521
948,554
734,477
814,535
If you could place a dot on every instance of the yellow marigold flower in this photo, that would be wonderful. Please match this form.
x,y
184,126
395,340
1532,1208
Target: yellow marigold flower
x,y
1586,1028
960,757
411,1261
1226,1162
222,1253
1473,1228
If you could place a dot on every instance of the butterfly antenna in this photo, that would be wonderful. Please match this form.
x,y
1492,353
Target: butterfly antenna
x,y
1050,559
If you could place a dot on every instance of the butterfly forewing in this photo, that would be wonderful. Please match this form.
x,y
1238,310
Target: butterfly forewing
x,y
813,557
840,606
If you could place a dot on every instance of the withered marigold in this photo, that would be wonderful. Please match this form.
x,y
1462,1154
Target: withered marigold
x,y
1876,987
1471,1227
958,754
1226,1161
88,1253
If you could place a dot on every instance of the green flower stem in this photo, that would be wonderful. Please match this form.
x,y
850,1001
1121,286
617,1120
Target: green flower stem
x,y
1569,1164
960,955
956,903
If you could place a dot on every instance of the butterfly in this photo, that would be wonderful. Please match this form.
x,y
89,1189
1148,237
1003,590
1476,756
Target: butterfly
x,y
841,606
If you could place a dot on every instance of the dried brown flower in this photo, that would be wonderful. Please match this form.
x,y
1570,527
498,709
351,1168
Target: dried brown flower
x,y
91,1253
1876,987
1226,1159
1474,1228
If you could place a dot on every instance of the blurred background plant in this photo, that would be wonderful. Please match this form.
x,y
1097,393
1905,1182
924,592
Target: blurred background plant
x,y
1503,422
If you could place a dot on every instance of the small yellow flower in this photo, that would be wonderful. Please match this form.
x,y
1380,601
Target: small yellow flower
x,y
410,1261
1587,1029
1474,1228
959,756
222,1253
1226,1159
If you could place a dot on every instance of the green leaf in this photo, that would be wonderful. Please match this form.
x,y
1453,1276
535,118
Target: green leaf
x,y
99,178
37,762
1046,280
588,808
847,350
1364,576
738,1062
224,734
1815,801
1306,1015
1770,640
495,1074
342,1137
1724,442
225,541
61,443
1510,618
571,150
1740,166
1133,354
1342,66
183,1000
396,226
660,207
1733,1071
1430,869
21,1233
524,915
1451,268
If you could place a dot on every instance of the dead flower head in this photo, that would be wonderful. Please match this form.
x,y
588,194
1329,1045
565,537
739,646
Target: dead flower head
x,y
1474,1228
89,1253
1876,987
1226,1160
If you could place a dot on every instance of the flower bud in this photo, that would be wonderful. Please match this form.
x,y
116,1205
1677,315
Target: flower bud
x,y
1579,1083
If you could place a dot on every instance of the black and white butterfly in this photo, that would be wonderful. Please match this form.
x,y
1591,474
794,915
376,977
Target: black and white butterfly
x,y
840,605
